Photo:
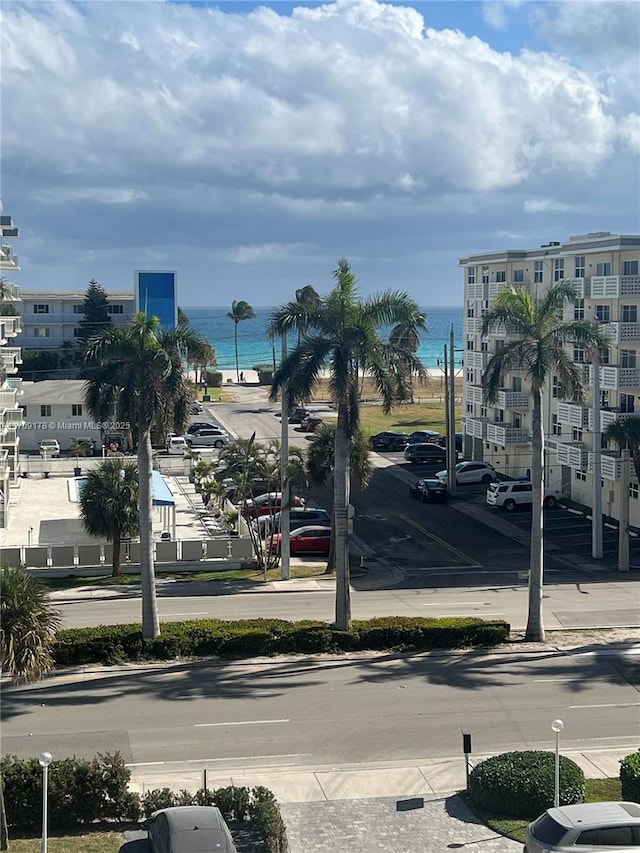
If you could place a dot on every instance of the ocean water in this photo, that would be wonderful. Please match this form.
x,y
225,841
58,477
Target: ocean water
x,y
254,347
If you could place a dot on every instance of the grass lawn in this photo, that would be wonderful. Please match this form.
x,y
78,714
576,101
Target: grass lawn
x,y
597,790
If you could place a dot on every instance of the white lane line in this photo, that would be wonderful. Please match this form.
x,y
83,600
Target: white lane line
x,y
612,705
239,723
186,613
575,511
211,760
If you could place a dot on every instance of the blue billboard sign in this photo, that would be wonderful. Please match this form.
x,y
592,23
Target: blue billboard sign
x,y
156,294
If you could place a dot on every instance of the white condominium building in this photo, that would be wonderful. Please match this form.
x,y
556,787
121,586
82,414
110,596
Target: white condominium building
x,y
605,270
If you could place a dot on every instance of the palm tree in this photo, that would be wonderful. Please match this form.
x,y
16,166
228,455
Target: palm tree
x,y
536,341
239,311
137,372
28,624
308,299
625,432
321,465
109,504
341,335
406,338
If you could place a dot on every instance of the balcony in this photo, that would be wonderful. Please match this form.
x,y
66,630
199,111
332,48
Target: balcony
x,y
10,326
505,435
7,399
476,360
8,435
475,427
611,466
574,454
608,416
10,292
613,377
476,291
473,325
474,394
8,261
572,414
12,418
621,333
10,359
513,400
614,286
14,385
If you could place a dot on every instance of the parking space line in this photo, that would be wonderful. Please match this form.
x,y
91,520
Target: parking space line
x,y
437,539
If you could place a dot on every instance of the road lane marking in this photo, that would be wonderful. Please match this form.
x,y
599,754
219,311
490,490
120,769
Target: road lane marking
x,y
437,539
612,705
211,760
239,723
187,613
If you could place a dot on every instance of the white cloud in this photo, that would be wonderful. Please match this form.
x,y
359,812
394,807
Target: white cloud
x,y
496,12
544,205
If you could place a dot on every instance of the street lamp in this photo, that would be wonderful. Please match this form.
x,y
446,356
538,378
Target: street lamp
x,y
45,760
557,726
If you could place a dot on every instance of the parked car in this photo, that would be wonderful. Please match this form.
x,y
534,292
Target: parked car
x,y
429,491
389,441
115,443
198,425
612,826
298,415
266,504
423,454
519,493
86,446
214,437
459,440
196,408
298,515
49,447
311,422
471,472
176,445
419,436
189,829
312,539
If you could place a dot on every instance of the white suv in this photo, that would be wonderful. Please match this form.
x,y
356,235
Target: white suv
x,y
213,437
518,493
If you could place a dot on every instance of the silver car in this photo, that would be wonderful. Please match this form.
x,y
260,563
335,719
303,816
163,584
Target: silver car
x,y
586,828
189,829
471,472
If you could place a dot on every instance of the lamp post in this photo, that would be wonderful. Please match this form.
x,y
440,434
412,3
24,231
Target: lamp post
x,y
45,760
557,726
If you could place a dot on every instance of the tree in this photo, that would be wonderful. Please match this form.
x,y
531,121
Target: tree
x,y
625,432
321,465
109,504
96,316
137,372
28,624
341,335
38,364
536,336
406,338
67,350
239,311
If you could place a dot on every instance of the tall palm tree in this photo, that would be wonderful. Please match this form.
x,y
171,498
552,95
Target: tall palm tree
x,y
321,466
239,311
308,299
536,340
625,432
137,372
406,338
109,504
28,624
341,334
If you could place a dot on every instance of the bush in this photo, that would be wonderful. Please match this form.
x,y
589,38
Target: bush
x,y
630,777
522,784
214,379
265,373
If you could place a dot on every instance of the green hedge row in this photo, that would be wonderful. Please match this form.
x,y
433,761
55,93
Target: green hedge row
x,y
522,784
630,777
114,644
82,792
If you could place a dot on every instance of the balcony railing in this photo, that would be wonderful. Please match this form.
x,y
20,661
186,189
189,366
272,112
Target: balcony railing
x,y
473,325
514,400
613,377
10,292
7,399
10,358
611,466
619,333
614,286
572,414
474,394
15,385
476,427
574,454
608,416
476,291
476,360
504,434
8,261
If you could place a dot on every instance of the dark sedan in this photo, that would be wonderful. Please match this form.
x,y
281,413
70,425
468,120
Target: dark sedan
x,y
428,491
389,441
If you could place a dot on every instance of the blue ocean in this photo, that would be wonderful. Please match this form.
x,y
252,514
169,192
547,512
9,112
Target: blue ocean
x,y
254,347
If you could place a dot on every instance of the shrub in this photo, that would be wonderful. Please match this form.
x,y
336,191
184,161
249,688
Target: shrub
x,y
522,784
630,777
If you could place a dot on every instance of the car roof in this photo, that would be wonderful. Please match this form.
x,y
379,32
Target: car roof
x,y
186,817
593,815
313,527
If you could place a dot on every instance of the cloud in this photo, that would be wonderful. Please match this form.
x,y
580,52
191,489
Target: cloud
x,y
544,205
496,12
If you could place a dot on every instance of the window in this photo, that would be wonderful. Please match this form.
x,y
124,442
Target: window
x,y
484,346
41,332
483,411
471,275
518,276
78,309
604,399
76,333
471,311
40,309
603,269
558,269
115,309
633,490
555,384
578,309
627,358
516,420
501,276
470,376
556,426
469,408
470,344
580,266
578,355
629,313
538,272
516,383
582,476
577,434
498,344
603,313
629,268
76,410
499,416
485,275
45,411
627,403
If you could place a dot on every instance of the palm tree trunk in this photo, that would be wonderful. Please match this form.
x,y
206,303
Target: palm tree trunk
x,y
340,504
116,570
150,621
331,557
235,336
4,834
535,621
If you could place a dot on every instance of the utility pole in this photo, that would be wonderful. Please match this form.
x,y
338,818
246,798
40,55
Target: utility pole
x,y
285,526
451,429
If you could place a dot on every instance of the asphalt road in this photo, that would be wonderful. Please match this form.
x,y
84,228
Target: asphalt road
x,y
346,710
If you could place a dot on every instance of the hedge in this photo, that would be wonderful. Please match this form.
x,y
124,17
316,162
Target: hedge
x,y
82,792
116,644
630,777
522,784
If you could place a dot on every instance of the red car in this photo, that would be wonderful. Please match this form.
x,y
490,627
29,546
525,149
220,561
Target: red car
x,y
312,539
267,504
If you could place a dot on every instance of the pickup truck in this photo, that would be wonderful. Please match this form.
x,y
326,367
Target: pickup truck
x,y
517,493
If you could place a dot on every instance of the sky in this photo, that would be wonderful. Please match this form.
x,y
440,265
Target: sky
x,y
250,146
